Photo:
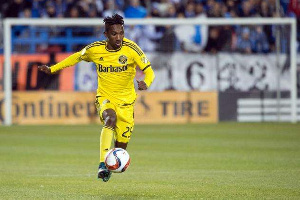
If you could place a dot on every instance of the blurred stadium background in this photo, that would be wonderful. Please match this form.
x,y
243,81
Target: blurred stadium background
x,y
205,75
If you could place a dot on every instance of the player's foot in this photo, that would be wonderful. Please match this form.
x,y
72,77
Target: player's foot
x,y
103,172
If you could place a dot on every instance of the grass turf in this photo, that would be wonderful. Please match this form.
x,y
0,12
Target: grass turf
x,y
211,161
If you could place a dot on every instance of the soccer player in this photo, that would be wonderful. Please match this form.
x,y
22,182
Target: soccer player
x,y
115,59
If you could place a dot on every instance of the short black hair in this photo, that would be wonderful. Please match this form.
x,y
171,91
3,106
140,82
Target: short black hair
x,y
115,19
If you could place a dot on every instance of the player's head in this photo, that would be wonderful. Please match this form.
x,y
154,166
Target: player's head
x,y
114,31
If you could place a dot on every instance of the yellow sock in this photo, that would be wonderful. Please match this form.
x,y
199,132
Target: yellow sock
x,y
105,141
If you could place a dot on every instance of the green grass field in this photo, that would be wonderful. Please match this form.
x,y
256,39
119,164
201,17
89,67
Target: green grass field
x,y
212,161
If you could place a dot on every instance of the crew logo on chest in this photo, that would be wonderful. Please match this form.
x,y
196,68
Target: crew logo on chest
x,y
123,59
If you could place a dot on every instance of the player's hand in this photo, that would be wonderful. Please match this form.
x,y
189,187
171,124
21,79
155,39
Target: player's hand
x,y
45,68
142,85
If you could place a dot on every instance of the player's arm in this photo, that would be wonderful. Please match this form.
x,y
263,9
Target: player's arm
x,y
145,65
149,77
69,61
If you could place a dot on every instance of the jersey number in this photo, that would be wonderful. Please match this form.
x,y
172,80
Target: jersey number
x,y
129,130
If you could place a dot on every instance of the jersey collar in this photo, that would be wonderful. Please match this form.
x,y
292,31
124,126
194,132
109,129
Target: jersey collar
x,y
114,50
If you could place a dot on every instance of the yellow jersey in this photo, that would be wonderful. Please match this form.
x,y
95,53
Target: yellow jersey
x,y
116,69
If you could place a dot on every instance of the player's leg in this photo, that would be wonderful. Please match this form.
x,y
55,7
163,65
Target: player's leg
x,y
120,145
106,111
124,126
109,118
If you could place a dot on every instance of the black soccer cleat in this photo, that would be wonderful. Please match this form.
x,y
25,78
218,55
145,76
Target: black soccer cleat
x,y
103,172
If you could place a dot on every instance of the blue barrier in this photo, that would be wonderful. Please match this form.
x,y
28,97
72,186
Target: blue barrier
x,y
66,37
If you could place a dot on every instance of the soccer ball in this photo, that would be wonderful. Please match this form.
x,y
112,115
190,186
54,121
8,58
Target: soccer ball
x,y
117,160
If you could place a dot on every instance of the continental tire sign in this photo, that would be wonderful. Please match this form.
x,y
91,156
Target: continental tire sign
x,y
79,108
52,108
177,107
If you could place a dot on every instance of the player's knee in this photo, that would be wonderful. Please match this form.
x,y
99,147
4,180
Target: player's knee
x,y
110,121
120,145
110,118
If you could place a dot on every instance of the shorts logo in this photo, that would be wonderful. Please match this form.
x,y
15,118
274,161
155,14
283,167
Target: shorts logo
x,y
122,59
144,60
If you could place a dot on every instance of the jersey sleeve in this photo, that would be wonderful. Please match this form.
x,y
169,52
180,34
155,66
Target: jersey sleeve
x,y
85,54
69,61
140,59
144,64
73,59
149,76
